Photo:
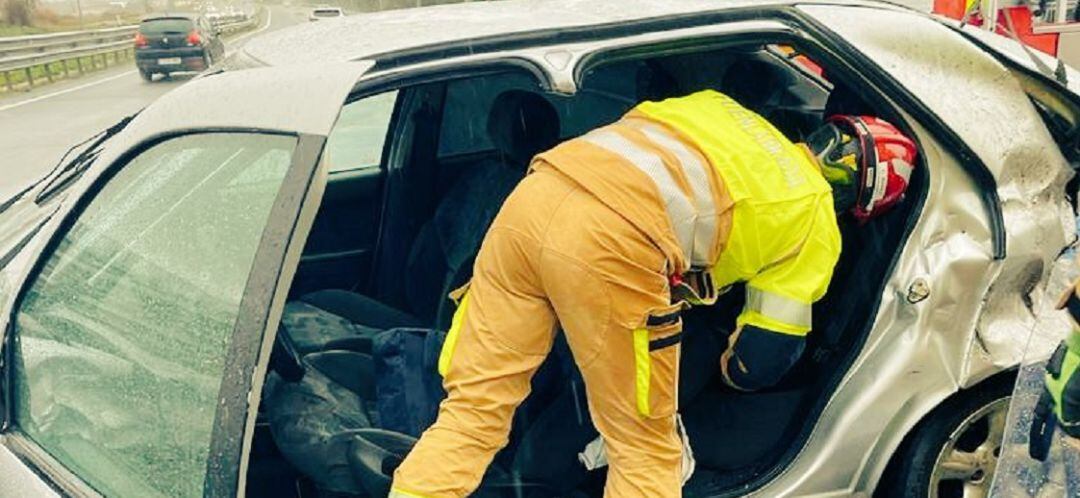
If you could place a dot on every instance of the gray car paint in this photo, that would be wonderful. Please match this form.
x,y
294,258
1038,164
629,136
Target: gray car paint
x,y
296,99
18,483
978,312
917,354
364,36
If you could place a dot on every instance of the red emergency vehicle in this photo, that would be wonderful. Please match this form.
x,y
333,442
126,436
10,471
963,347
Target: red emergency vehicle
x,y
1051,26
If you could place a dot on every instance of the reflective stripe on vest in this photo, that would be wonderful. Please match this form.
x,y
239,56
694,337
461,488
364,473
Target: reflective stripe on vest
x,y
771,182
779,308
693,220
705,224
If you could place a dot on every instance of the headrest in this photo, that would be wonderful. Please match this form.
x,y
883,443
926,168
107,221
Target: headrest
x,y
843,100
522,124
654,83
755,84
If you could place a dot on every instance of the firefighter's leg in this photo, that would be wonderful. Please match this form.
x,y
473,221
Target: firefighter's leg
x,y
502,333
605,279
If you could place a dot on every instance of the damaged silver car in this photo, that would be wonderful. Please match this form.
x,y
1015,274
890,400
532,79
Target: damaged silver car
x,y
209,300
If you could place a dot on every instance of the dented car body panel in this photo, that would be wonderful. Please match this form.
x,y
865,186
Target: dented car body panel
x,y
926,345
959,302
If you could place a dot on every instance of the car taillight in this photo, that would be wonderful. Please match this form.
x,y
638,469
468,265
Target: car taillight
x,y
140,40
193,38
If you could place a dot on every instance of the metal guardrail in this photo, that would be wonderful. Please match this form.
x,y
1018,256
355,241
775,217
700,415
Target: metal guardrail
x,y
25,53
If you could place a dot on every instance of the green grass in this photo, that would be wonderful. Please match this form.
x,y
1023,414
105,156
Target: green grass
x,y
17,79
68,23
13,30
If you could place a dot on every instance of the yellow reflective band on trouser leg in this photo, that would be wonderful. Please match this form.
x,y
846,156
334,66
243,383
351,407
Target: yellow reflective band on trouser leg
x,y
447,352
642,370
401,493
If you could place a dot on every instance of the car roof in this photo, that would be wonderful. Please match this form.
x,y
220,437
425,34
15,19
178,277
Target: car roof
x,y
156,17
367,36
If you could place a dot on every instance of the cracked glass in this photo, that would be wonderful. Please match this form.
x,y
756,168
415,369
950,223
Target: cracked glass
x,y
120,342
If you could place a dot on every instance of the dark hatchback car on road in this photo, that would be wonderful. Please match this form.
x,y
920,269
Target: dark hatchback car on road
x,y
175,43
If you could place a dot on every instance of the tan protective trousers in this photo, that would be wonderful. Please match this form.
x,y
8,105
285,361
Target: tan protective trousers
x,y
555,255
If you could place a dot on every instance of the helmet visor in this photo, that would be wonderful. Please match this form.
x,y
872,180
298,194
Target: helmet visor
x,y
837,153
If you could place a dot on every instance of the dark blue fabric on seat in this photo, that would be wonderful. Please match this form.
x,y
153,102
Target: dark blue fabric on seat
x,y
312,328
408,388
360,309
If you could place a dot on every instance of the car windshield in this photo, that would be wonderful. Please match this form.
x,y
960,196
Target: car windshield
x,y
327,13
170,25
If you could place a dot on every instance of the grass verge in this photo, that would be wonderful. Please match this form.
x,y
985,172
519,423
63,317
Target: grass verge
x,y
16,80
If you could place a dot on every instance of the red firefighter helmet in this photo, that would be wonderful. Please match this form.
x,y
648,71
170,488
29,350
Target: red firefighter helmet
x,y
885,157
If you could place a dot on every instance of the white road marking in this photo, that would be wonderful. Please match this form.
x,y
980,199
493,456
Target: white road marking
x,y
65,91
269,16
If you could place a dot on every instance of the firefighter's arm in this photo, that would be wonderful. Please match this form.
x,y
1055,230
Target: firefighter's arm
x,y
771,330
1063,372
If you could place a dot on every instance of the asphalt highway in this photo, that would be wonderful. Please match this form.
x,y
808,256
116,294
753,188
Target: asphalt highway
x,y
36,127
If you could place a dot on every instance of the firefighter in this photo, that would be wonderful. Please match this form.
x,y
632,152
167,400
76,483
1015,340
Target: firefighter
x,y
610,237
1059,404
1063,382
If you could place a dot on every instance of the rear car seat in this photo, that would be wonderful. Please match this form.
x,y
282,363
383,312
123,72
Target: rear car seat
x,y
520,125
762,87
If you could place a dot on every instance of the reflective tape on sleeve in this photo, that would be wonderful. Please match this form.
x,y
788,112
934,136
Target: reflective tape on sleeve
x,y
680,211
779,308
697,175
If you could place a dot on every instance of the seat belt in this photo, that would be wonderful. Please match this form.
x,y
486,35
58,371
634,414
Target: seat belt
x,y
695,287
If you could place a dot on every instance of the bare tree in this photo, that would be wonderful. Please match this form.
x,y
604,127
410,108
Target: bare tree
x,y
18,12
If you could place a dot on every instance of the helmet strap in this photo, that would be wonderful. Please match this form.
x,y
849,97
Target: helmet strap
x,y
868,172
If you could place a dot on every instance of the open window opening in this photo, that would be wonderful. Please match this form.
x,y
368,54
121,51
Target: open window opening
x,y
368,308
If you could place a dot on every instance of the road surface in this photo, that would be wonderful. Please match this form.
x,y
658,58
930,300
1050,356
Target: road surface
x,y
37,127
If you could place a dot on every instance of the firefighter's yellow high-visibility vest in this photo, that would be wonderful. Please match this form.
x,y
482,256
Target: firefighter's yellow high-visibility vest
x,y
784,240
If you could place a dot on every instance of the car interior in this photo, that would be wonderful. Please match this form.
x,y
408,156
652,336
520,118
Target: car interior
x,y
401,223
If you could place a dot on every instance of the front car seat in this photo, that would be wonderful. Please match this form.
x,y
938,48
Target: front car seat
x,y
520,124
311,418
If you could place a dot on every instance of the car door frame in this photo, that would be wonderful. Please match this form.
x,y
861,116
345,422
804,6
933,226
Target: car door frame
x,y
252,337
276,257
261,306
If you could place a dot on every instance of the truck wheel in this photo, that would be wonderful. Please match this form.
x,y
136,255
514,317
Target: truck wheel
x,y
954,451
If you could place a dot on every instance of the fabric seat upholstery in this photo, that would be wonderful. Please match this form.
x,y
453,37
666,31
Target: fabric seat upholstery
x,y
520,125
311,418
